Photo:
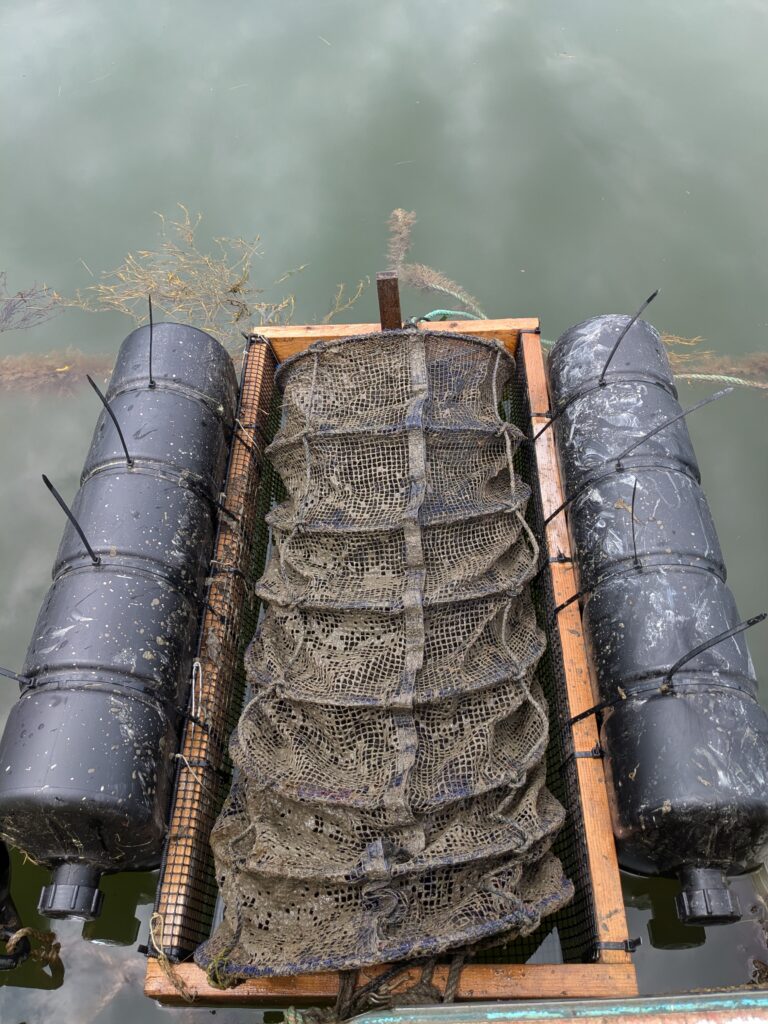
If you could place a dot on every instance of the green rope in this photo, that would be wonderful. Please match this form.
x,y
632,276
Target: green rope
x,y
449,314
546,343
717,378
740,382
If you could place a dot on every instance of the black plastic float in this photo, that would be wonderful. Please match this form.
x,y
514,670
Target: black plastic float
x,y
685,740
87,756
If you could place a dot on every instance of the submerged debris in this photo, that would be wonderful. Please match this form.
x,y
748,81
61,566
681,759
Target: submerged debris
x,y
419,275
27,308
59,371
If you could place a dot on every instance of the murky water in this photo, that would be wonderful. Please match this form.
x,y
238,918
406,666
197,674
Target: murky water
x,y
564,159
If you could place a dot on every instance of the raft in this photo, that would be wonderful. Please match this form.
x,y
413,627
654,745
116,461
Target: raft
x,y
582,951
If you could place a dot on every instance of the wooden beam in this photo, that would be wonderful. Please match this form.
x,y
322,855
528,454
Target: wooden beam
x,y
601,850
388,290
291,339
477,982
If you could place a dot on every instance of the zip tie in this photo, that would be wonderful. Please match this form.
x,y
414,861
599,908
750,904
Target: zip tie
x,y
624,946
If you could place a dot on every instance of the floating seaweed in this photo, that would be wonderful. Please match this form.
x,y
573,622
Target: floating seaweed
x,y
703,364
213,291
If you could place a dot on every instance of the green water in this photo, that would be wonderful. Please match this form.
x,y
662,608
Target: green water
x,y
564,159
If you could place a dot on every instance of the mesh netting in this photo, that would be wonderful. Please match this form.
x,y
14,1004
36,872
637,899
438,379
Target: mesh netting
x,y
390,800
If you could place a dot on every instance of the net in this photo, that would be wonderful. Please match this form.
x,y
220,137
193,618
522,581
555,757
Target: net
x,y
390,800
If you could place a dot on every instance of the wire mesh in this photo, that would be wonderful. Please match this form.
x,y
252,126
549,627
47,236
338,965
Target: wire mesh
x,y
187,893
574,926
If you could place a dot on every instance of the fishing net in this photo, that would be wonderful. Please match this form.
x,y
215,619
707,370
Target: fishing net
x,y
390,799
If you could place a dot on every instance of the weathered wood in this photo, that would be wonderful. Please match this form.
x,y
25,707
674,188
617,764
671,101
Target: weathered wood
x,y
290,340
601,851
478,981
388,290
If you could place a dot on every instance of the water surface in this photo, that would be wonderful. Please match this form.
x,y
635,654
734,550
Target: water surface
x,y
564,159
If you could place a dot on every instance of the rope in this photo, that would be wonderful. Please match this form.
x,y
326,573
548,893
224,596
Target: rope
x,y
382,992
443,314
197,678
740,382
446,314
185,761
47,950
156,928
723,378
718,378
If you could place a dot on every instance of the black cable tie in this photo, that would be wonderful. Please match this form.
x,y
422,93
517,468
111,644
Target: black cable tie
x,y
623,946
602,706
595,752
565,504
196,720
216,614
667,686
254,454
564,604
700,648
230,515
559,558
8,674
70,516
619,459
241,429
228,570
622,334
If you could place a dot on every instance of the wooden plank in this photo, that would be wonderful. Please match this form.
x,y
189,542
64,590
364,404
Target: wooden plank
x,y
603,864
388,291
478,981
290,340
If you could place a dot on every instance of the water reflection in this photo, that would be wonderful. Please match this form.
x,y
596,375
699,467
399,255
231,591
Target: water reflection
x,y
563,159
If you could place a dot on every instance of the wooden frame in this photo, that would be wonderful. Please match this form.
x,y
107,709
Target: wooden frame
x,y
613,973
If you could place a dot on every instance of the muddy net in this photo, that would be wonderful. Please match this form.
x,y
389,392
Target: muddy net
x,y
390,799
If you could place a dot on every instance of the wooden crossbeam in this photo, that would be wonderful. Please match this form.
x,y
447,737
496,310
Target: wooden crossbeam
x,y
289,340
